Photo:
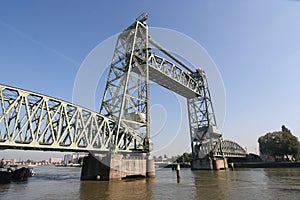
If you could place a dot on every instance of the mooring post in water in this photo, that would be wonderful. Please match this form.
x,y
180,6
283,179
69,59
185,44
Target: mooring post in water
x,y
178,171
232,166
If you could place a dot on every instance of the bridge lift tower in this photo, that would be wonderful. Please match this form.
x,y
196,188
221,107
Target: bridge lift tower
x,y
127,99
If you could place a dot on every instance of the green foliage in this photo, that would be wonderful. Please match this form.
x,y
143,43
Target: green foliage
x,y
285,129
280,144
185,157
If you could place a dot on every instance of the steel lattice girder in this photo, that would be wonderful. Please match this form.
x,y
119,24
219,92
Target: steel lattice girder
x,y
172,77
30,120
229,149
126,98
203,127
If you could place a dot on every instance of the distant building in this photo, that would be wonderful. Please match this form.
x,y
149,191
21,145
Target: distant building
x,y
55,160
68,158
14,161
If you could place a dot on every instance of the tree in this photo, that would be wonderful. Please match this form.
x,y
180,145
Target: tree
x,y
280,145
185,157
285,129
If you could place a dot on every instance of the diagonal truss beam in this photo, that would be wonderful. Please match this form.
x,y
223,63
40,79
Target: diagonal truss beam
x,y
29,120
229,149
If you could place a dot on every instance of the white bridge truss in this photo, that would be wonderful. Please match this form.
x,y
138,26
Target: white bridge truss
x,y
227,148
30,120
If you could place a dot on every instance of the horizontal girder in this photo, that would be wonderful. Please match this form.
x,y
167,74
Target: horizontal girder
x,y
172,77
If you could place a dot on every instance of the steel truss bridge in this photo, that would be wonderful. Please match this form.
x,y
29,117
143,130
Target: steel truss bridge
x,y
29,120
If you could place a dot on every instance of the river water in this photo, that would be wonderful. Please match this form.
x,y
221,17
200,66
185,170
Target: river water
x,y
64,183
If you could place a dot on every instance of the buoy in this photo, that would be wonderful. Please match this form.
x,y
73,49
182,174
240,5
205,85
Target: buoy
x,y
98,177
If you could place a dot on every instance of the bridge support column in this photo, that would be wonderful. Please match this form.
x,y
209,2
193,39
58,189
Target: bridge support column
x,y
115,167
205,163
94,168
209,164
220,163
150,168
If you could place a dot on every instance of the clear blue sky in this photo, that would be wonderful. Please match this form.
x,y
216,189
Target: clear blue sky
x,y
255,44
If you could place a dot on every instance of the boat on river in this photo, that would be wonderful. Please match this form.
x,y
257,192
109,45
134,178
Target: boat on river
x,y
14,174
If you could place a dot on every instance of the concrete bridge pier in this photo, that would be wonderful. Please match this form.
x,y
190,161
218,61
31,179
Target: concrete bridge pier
x,y
115,166
150,172
220,163
209,164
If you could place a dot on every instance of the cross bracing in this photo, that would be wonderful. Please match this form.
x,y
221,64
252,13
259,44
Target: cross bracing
x,y
171,76
227,148
29,120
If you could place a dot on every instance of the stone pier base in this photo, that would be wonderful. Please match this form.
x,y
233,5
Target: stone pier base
x,y
116,167
150,173
209,164
220,163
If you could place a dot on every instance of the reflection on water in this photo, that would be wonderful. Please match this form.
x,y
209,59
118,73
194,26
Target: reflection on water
x,y
64,183
248,184
129,189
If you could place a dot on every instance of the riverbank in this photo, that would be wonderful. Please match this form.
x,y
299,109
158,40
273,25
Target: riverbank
x,y
266,164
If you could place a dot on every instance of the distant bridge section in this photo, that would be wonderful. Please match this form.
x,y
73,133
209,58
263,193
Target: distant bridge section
x,y
229,149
